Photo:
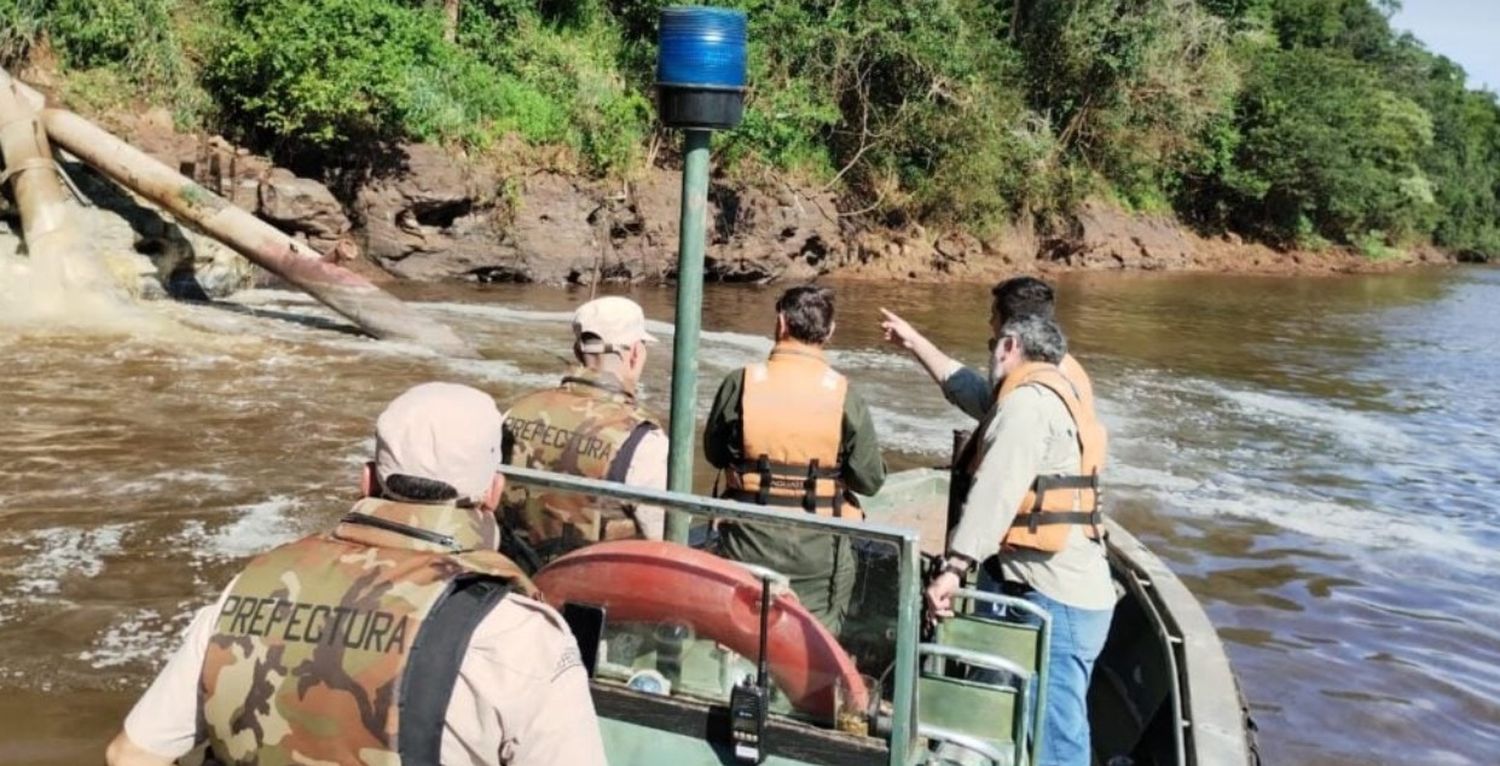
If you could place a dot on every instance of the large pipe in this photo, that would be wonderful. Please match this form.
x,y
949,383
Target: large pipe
x,y
375,311
28,165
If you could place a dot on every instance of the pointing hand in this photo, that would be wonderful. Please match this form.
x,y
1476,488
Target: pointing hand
x,y
898,331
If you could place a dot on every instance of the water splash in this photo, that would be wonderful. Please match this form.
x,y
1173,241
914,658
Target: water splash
x,y
86,288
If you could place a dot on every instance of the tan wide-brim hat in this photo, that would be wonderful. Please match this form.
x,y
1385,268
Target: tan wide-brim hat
x,y
611,323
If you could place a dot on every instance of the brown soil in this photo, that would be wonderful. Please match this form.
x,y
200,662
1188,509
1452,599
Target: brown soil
x,y
1102,238
438,216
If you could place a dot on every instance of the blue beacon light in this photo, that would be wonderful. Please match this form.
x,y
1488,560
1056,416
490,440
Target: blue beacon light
x,y
700,67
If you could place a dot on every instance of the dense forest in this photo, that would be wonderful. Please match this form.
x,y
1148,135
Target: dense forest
x,y
1304,123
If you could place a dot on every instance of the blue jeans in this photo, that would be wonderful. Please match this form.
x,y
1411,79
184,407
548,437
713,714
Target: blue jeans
x,y
1078,636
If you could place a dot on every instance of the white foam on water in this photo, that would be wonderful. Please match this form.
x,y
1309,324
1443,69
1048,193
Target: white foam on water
x,y
1286,411
264,296
1150,478
1355,429
760,345
140,636
718,360
1368,529
505,314
255,528
916,433
176,478
872,359
81,287
501,371
63,552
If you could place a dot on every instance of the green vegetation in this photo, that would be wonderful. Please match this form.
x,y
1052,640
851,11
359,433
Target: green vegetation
x,y
1298,121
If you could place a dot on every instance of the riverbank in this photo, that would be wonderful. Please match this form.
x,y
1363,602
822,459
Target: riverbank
x,y
429,213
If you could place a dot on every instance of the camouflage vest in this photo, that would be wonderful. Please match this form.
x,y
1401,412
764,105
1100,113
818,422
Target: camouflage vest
x,y
343,648
589,426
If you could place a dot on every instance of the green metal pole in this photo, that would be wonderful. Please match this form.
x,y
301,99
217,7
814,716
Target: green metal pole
x,y
689,322
904,702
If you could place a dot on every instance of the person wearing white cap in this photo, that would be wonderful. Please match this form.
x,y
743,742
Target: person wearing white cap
x,y
589,425
402,635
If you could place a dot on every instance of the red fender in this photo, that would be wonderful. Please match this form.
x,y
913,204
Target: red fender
x,y
652,581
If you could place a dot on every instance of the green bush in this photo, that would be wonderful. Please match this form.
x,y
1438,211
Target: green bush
x,y
326,74
136,36
341,71
21,21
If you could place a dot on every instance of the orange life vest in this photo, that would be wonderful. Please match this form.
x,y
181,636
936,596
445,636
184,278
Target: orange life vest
x,y
1056,502
1073,372
792,425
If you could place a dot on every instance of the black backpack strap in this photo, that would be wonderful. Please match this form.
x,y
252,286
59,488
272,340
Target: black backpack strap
x,y
619,467
432,669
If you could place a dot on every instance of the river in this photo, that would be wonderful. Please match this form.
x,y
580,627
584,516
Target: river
x,y
1315,456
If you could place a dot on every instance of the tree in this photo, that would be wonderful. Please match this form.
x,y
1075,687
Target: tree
x,y
1327,151
1128,84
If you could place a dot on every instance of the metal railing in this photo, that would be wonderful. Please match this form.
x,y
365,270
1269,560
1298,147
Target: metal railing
x,y
908,607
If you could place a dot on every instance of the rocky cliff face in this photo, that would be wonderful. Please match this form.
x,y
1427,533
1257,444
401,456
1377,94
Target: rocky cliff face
x,y
437,219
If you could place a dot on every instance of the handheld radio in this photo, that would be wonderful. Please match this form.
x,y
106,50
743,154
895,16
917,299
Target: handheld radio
x,y
749,703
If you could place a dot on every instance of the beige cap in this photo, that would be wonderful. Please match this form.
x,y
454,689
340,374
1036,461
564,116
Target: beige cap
x,y
617,322
441,431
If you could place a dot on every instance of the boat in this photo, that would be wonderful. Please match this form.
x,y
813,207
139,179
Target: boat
x,y
680,629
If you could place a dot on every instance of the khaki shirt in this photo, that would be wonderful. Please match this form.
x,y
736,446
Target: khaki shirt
x,y
648,470
522,698
1032,434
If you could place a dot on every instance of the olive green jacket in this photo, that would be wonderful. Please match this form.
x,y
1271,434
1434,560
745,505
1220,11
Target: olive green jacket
x,y
820,566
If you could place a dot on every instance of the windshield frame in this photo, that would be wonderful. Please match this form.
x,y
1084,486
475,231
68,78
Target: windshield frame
x,y
908,607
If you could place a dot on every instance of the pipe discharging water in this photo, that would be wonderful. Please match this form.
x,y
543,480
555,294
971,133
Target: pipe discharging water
x,y
25,127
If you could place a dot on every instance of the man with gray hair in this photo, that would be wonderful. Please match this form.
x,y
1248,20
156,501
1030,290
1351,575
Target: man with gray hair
x,y
399,636
1026,514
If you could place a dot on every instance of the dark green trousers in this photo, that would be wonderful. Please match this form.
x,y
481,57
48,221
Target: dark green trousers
x,y
820,566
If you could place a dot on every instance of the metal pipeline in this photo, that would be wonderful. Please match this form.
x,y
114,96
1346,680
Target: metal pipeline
x,y
29,168
375,311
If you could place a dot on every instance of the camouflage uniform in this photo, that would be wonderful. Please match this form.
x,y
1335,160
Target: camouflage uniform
x,y
344,647
588,426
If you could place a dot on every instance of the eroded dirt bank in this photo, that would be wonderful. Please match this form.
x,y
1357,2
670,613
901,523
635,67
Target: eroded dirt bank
x,y
420,212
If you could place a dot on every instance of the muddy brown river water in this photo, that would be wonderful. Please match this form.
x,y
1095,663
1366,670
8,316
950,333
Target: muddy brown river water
x,y
1317,457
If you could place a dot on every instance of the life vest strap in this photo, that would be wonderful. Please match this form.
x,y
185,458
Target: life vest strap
x,y
837,503
786,470
1065,481
1043,518
619,468
780,501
